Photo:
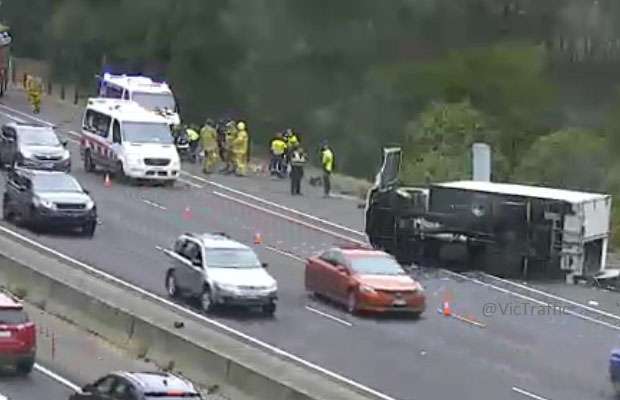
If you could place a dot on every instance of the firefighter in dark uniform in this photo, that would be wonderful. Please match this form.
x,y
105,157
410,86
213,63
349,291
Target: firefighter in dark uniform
x,y
298,162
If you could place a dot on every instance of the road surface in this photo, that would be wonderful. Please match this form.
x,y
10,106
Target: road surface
x,y
511,356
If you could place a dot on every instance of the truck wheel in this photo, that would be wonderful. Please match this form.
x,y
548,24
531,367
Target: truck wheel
x,y
171,285
206,300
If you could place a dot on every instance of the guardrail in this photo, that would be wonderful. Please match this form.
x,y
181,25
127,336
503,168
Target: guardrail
x,y
147,329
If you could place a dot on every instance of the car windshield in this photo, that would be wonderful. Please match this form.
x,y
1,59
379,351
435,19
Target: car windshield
x,y
147,132
232,258
376,265
38,137
13,316
151,101
56,183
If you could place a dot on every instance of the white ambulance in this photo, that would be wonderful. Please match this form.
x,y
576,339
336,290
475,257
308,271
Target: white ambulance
x,y
122,137
154,96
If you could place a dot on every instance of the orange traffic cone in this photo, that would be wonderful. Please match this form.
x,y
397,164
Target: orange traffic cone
x,y
106,180
257,238
187,213
445,310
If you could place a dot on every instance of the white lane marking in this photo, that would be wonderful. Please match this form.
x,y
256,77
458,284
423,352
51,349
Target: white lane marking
x,y
551,296
286,254
276,205
329,316
290,219
153,204
26,115
533,300
57,378
212,322
526,393
14,118
191,183
311,217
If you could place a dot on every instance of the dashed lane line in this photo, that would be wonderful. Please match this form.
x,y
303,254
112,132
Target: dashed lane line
x,y
329,316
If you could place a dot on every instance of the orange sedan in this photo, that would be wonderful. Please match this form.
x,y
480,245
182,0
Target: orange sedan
x,y
363,280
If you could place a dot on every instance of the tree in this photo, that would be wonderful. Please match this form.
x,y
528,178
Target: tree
x,y
569,158
438,144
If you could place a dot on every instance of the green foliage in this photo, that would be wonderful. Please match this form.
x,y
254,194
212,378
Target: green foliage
x,y
438,145
569,158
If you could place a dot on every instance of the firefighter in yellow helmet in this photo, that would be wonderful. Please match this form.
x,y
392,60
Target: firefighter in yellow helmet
x,y
240,148
34,88
208,135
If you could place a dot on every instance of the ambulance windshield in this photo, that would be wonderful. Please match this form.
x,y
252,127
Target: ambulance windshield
x,y
147,132
151,101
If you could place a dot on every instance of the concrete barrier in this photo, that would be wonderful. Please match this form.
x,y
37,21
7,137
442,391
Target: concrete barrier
x,y
146,328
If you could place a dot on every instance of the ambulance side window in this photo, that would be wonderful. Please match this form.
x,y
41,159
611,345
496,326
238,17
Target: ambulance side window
x,y
116,132
97,123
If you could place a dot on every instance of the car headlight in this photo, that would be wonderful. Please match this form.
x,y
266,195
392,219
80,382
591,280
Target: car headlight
x,y
27,155
134,160
38,202
272,288
419,287
90,204
66,155
227,286
366,289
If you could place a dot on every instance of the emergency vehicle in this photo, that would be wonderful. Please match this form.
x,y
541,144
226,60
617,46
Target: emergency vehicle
x,y
152,95
122,137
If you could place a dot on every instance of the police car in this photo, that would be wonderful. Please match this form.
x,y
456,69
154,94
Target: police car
x,y
122,137
219,271
154,96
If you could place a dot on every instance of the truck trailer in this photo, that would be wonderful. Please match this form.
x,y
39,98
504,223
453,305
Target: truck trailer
x,y
507,230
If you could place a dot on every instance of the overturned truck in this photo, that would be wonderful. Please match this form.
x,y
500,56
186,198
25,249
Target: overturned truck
x,y
511,231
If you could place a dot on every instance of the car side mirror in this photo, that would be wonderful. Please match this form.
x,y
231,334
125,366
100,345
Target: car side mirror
x,y
64,143
86,192
265,265
89,388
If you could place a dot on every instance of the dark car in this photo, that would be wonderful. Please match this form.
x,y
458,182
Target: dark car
x,y
18,341
139,386
48,198
33,146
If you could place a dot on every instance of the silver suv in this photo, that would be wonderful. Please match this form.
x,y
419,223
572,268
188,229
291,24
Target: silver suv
x,y
219,271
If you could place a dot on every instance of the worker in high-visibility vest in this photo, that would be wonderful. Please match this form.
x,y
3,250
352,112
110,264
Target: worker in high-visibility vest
x,y
278,152
327,161
208,135
193,137
240,148
231,133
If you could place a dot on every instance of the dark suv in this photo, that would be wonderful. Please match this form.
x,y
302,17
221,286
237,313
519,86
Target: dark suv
x,y
17,335
33,146
138,386
46,198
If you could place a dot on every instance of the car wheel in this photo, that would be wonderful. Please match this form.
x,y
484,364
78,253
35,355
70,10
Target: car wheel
x,y
89,165
7,215
119,173
206,300
25,366
89,228
171,285
270,308
352,302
